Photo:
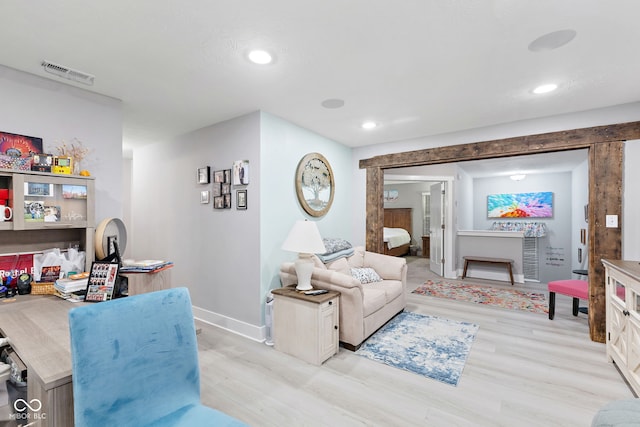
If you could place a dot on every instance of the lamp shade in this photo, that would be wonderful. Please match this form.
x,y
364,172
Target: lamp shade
x,y
304,237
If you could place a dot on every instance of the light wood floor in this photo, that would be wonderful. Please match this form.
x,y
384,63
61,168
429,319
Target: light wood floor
x,y
523,370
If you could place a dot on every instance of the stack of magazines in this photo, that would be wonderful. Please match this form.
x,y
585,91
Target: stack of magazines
x,y
70,289
144,266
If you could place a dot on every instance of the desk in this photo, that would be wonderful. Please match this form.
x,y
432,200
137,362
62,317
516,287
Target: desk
x,y
38,329
140,283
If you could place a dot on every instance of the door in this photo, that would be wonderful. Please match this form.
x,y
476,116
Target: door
x,y
436,229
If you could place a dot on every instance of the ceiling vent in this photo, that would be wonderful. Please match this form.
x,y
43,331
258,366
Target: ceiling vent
x,y
68,73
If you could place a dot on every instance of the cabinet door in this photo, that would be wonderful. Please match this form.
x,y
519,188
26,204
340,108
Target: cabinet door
x,y
328,336
45,201
633,334
6,199
617,321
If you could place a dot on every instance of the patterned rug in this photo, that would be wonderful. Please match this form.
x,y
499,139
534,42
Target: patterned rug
x,y
426,345
499,297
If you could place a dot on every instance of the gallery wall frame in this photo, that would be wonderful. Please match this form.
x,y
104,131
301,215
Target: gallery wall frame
x,y
241,199
204,197
241,172
204,175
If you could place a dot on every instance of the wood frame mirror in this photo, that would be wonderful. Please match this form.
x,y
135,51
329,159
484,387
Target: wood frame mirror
x,y
606,148
315,184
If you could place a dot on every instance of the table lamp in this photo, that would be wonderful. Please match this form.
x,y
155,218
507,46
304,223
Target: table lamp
x,y
305,239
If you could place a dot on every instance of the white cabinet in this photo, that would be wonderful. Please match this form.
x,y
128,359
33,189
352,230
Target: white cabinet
x,y
306,326
622,283
49,211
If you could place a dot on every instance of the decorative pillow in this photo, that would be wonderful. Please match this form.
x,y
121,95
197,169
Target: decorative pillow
x,y
366,275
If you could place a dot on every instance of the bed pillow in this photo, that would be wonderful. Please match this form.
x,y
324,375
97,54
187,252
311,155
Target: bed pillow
x,y
365,275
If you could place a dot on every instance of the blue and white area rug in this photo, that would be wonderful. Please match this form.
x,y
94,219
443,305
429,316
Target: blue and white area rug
x,y
431,346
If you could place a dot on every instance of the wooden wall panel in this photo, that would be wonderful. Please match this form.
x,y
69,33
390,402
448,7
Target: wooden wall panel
x,y
605,198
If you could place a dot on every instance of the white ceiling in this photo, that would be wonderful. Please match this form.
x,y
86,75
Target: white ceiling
x,y
530,164
417,67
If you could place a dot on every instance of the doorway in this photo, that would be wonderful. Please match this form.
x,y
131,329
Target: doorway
x,y
605,145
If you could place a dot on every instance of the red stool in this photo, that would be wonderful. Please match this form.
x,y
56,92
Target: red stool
x,y
577,289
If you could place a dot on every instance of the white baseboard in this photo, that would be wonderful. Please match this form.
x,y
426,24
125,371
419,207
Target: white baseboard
x,y
256,333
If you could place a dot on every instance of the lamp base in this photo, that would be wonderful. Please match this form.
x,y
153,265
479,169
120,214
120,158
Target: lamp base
x,y
304,268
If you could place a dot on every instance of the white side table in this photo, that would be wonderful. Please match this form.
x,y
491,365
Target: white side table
x,y
306,326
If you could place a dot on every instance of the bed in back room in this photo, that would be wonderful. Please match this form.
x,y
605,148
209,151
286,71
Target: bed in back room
x,y
397,231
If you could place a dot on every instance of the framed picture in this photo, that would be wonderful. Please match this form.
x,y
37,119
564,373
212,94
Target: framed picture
x,y
218,202
102,281
217,189
38,189
241,172
15,145
74,191
218,176
226,188
241,199
204,175
227,200
520,205
204,197
227,176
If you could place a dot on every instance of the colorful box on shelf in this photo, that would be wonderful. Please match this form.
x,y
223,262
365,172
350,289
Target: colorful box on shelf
x,y
62,165
15,163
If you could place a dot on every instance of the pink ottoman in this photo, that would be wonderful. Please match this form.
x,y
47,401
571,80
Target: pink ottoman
x,y
577,289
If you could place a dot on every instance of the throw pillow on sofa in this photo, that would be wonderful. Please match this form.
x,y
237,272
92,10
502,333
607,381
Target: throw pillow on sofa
x,y
365,275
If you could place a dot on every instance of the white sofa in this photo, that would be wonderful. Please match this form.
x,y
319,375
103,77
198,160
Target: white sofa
x,y
364,308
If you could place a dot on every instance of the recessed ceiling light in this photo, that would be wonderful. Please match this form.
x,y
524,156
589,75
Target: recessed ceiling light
x,y
261,57
369,125
545,88
552,40
333,103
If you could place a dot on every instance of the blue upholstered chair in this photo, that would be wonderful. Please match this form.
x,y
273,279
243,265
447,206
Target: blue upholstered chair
x,y
135,363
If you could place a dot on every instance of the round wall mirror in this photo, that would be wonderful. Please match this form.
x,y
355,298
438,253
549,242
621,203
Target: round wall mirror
x,y
314,184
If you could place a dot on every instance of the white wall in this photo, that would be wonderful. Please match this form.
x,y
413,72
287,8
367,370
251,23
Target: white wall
x,y
631,202
579,198
612,115
56,112
229,259
216,252
554,249
283,145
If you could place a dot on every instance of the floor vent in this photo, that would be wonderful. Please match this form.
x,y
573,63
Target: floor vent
x,y
68,73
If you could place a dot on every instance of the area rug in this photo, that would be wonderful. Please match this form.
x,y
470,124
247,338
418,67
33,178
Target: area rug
x,y
426,345
500,297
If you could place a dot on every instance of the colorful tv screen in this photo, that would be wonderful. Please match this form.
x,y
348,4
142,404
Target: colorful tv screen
x,y
520,205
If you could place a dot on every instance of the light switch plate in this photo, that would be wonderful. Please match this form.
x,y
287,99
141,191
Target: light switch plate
x,y
612,221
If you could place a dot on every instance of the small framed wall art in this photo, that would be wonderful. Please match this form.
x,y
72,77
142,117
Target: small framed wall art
x,y
241,172
218,176
204,175
204,197
241,199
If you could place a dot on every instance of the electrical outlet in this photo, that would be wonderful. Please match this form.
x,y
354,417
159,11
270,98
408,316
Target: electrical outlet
x,y
612,221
